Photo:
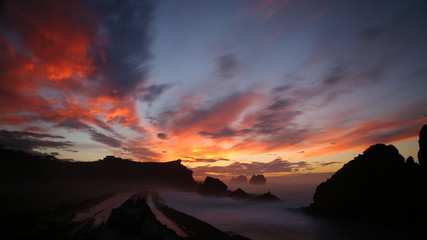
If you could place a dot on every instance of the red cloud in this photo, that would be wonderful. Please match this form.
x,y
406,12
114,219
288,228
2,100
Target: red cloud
x,y
53,50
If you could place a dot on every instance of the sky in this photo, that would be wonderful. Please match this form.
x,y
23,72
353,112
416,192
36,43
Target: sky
x,y
229,87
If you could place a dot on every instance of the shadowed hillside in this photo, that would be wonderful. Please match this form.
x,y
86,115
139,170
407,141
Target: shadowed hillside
x,y
378,186
18,167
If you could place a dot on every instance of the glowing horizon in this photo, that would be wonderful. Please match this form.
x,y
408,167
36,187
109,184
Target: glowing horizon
x,y
282,86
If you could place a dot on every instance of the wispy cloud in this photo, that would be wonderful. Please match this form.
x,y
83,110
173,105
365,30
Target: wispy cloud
x,y
32,141
275,166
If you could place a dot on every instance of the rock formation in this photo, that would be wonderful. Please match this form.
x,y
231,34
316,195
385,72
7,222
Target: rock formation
x,y
239,179
422,153
239,193
266,197
134,220
375,186
258,179
213,186
18,167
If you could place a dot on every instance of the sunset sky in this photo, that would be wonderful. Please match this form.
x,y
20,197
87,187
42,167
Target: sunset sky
x,y
230,87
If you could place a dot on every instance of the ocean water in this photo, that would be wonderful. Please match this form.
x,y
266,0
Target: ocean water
x,y
275,221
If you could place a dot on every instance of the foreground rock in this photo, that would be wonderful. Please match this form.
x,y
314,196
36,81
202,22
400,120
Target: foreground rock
x,y
258,180
377,186
133,220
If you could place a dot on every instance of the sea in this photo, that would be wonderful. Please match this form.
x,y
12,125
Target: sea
x,y
282,220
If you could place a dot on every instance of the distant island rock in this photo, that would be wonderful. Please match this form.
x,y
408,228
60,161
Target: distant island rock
x,y
213,186
258,180
239,193
266,197
239,179
377,186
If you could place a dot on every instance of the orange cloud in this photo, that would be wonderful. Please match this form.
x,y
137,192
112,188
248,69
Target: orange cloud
x,y
50,71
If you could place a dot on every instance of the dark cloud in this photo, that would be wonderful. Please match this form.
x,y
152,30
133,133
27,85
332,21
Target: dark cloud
x,y
273,122
279,104
282,88
135,149
237,168
227,66
31,142
125,31
328,163
107,140
334,75
205,160
153,92
372,34
162,135
73,123
215,116
225,133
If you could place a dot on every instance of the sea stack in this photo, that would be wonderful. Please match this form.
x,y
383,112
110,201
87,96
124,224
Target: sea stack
x,y
258,180
239,179
213,186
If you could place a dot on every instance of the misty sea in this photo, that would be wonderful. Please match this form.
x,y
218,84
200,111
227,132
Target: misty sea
x,y
277,220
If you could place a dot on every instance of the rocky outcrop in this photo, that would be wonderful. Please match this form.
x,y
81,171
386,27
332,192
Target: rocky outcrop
x,y
422,153
375,186
266,197
213,186
239,179
239,193
258,180
18,167
134,220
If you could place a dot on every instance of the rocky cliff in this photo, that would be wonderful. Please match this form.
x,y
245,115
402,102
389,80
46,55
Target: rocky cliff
x,y
17,167
379,186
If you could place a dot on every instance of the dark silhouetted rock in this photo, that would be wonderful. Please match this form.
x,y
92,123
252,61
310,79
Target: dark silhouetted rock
x,y
375,186
239,193
18,167
422,153
239,179
410,161
258,179
266,197
213,186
